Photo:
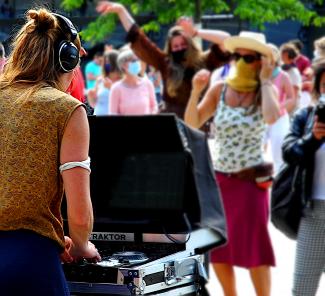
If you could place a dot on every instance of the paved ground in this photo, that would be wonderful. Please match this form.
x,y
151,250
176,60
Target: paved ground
x,y
281,275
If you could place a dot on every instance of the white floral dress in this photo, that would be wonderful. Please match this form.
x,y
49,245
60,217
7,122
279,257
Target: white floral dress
x,y
239,134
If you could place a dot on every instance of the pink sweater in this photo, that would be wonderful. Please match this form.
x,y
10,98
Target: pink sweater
x,y
133,100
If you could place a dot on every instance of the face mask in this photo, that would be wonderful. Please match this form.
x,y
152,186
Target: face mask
x,y
246,70
134,68
107,68
243,77
316,55
275,72
178,56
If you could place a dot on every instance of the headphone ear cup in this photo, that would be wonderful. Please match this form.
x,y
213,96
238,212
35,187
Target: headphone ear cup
x,y
68,56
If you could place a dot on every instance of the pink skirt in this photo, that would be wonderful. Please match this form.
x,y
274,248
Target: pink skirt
x,y
247,211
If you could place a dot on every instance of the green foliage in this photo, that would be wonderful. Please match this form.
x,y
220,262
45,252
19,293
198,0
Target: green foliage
x,y
71,4
98,30
257,12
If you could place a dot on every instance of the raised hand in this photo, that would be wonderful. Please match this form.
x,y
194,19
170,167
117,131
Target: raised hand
x,y
187,25
267,68
105,7
201,80
318,129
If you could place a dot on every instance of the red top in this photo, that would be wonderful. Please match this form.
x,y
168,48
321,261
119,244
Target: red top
x,y
302,63
77,86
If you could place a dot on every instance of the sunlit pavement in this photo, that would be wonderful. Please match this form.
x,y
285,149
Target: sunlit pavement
x,y
282,274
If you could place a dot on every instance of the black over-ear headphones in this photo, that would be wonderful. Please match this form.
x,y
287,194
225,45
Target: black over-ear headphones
x,y
67,52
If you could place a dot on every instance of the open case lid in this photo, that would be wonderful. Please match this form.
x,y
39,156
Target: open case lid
x,y
152,174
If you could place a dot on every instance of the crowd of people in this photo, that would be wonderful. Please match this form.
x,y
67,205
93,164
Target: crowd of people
x,y
254,97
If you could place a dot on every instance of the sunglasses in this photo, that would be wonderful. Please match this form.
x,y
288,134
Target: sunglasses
x,y
248,58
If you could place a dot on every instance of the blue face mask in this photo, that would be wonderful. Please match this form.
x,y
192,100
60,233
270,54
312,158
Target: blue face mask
x,y
107,68
134,68
275,72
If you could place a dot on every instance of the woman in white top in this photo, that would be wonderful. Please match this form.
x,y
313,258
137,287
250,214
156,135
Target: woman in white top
x,y
288,55
98,97
278,130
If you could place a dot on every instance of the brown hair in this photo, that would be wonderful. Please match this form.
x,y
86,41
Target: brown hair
x,y
319,45
290,49
319,70
193,59
33,61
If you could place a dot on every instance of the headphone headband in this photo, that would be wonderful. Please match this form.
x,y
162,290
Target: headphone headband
x,y
68,25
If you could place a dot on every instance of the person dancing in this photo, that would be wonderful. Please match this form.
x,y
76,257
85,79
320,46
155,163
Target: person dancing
x,y
241,107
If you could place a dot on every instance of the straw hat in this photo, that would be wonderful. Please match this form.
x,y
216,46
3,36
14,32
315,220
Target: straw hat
x,y
248,40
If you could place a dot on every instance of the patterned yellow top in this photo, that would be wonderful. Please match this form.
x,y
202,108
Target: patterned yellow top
x,y
31,187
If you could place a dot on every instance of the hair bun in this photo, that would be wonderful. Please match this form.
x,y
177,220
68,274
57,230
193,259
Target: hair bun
x,y
43,19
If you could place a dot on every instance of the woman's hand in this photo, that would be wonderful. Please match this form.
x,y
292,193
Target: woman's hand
x,y
91,253
201,80
187,25
318,129
105,7
66,256
71,254
267,68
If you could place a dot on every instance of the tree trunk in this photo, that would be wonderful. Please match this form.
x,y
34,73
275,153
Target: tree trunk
x,y
198,11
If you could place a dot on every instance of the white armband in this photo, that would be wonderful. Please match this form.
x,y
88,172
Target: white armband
x,y
85,164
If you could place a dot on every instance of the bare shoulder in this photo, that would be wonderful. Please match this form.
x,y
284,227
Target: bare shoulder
x,y
78,116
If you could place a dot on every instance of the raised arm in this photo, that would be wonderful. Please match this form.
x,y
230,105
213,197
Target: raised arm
x,y
142,46
74,147
196,114
214,36
105,7
270,102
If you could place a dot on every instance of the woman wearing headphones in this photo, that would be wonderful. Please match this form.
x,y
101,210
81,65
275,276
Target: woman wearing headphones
x,y
44,148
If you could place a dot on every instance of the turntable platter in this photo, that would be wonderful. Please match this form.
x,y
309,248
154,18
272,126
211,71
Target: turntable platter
x,y
130,257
